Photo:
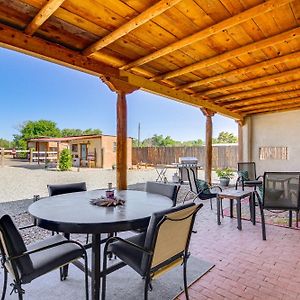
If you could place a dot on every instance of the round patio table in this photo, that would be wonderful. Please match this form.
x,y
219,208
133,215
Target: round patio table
x,y
73,213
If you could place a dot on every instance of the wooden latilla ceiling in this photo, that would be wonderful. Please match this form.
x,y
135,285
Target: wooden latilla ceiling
x,y
235,57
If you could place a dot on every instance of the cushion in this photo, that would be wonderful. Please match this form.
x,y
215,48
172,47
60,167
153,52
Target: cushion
x,y
15,244
202,186
59,189
244,175
50,259
129,254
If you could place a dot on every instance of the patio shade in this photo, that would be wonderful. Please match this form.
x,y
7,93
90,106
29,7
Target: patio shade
x,y
236,58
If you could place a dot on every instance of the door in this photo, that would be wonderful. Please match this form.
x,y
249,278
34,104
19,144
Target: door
x,y
83,151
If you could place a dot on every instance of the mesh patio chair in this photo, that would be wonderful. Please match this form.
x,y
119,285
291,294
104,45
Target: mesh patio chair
x,y
59,189
280,192
247,175
163,246
25,264
200,188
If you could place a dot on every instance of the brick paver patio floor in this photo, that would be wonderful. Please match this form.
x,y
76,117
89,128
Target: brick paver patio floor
x,y
246,266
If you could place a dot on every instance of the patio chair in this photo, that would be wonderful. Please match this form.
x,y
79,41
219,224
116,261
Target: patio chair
x,y
247,175
163,246
59,189
200,188
280,192
164,189
25,264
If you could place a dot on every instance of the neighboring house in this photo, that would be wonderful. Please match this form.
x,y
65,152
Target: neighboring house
x,y
88,150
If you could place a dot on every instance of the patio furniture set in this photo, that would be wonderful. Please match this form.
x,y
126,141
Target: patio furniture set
x,y
164,232
275,191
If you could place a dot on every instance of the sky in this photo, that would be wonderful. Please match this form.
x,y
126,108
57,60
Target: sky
x,y
33,89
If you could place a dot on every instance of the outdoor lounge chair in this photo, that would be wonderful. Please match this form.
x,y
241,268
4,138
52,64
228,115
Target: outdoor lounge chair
x,y
163,246
200,188
280,192
28,263
247,175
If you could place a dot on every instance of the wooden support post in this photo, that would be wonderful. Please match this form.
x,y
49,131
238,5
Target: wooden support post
x,y
122,89
208,144
240,141
121,141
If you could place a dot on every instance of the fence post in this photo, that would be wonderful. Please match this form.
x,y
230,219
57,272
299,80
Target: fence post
x,y
2,157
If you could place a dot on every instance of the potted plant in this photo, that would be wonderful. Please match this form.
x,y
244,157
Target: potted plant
x,y
224,175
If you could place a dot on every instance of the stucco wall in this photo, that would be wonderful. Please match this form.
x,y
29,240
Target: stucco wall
x,y
276,130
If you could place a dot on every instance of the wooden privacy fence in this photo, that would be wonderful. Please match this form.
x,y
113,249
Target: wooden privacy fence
x,y
222,156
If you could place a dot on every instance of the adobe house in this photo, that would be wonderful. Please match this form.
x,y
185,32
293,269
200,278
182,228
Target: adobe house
x,y
88,151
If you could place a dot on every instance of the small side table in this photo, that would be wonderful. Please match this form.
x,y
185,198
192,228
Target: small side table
x,y
237,195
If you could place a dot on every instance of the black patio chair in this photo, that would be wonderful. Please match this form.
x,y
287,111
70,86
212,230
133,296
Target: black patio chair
x,y
59,189
164,189
163,246
25,264
280,192
247,175
200,188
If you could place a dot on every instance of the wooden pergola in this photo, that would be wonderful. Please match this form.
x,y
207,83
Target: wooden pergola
x,y
236,58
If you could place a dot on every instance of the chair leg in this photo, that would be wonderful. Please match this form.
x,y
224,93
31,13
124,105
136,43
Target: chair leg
x,y
210,200
86,277
103,292
290,218
185,279
297,218
87,239
146,288
4,284
222,212
263,225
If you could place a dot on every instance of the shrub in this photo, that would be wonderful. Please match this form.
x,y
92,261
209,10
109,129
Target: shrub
x,y
65,160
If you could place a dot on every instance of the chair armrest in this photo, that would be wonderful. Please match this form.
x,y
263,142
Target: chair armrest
x,y
216,186
27,226
47,247
137,247
260,176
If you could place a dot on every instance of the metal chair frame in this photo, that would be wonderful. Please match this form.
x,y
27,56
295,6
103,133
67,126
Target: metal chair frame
x,y
184,255
244,182
17,283
281,209
198,193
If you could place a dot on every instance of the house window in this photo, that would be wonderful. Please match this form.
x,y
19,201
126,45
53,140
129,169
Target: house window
x,y
75,148
279,153
114,146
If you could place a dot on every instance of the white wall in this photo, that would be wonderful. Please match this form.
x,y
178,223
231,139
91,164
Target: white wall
x,y
275,130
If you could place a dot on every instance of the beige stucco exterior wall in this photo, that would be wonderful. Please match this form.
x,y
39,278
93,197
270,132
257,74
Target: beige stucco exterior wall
x,y
105,150
275,130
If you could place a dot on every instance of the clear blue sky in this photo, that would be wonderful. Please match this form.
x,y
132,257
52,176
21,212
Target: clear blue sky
x,y
33,89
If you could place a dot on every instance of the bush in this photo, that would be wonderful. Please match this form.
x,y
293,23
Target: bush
x,y
65,160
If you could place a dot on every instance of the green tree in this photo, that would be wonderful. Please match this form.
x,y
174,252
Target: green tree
x,y
5,144
77,132
65,160
225,138
33,129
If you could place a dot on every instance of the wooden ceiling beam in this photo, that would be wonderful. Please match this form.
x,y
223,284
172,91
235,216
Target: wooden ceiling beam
x,y
284,37
291,85
243,71
176,95
249,83
272,110
134,23
262,99
284,102
205,33
43,15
